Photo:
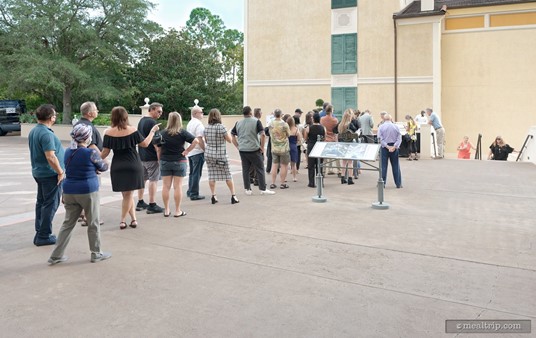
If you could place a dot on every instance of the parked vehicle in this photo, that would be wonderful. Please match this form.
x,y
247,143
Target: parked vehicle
x,y
10,111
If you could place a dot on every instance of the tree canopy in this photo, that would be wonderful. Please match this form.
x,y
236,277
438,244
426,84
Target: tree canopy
x,y
70,51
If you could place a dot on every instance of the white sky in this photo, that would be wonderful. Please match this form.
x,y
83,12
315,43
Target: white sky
x,y
175,13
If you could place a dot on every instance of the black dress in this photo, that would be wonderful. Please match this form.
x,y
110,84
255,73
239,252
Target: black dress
x,y
126,171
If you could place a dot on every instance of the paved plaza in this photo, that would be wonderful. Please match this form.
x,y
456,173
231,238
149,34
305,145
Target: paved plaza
x,y
458,242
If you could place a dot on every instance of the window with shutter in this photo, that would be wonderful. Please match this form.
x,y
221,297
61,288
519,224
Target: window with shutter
x,y
344,54
343,3
343,98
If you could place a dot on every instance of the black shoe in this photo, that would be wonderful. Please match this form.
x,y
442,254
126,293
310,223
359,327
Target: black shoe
x,y
51,240
234,200
350,181
343,180
311,185
154,209
141,205
197,198
213,199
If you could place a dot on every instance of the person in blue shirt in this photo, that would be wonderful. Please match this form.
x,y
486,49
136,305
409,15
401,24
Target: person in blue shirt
x,y
435,122
390,138
81,192
46,155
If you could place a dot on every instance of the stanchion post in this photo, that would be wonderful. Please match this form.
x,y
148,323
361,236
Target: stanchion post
x,y
381,185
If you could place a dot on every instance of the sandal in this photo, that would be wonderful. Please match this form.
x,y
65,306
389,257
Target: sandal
x,y
273,186
181,214
122,225
133,224
283,186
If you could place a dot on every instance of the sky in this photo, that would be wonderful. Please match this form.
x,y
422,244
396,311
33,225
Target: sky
x,y
175,13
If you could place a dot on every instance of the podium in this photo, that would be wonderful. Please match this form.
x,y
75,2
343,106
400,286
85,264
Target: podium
x,y
426,144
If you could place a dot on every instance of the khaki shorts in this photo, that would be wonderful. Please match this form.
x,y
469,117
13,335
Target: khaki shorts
x,y
281,158
151,171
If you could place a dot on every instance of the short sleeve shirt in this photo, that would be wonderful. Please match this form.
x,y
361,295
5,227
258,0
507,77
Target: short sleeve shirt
x,y
40,140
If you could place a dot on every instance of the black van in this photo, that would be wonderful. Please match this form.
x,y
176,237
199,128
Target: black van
x,y
10,111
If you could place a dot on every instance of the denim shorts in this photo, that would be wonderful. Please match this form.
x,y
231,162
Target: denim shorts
x,y
173,168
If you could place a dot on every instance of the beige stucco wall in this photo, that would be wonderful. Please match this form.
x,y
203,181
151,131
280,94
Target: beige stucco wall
x,y
376,38
491,9
415,50
288,39
488,85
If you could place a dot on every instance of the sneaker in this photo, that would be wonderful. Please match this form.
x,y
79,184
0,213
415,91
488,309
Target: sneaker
x,y
248,192
141,205
267,192
154,209
56,260
97,257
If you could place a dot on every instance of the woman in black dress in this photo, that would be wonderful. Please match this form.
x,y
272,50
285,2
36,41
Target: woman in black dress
x,y
499,150
126,171
311,135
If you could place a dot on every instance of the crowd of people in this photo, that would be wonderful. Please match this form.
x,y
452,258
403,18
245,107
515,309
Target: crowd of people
x,y
144,155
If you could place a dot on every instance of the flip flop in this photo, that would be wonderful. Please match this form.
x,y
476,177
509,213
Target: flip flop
x,y
180,215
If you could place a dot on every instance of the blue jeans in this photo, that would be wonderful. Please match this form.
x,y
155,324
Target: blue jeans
x,y
48,200
196,168
395,166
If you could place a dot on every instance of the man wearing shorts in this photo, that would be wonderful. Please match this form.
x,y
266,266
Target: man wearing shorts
x,y
149,160
279,133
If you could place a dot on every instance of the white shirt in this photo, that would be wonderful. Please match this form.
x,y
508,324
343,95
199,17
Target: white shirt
x,y
196,128
421,119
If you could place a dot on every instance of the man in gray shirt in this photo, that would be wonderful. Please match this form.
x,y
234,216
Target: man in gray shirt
x,y
367,123
251,148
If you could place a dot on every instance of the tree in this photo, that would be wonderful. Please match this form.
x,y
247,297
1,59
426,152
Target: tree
x,y
65,46
174,72
208,31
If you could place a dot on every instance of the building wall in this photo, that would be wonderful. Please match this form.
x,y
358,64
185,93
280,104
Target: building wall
x,y
485,82
288,53
489,78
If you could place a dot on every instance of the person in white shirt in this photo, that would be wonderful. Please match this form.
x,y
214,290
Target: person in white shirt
x,y
196,157
421,119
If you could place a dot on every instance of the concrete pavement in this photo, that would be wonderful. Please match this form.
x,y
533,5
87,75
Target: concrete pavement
x,y
457,243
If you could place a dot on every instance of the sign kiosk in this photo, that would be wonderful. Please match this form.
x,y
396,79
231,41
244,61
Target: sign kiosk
x,y
364,152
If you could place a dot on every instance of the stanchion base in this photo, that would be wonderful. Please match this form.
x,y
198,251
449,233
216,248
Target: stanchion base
x,y
318,199
381,206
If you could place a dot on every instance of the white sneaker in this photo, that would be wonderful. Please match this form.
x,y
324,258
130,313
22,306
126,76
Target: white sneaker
x,y
249,192
267,192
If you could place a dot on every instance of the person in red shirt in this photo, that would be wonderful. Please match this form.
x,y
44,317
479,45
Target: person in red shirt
x,y
464,149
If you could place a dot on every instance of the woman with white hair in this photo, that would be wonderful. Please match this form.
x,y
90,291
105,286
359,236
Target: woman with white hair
x,y
81,193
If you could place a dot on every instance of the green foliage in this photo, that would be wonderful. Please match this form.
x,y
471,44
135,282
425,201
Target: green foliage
x,y
102,120
55,48
27,118
203,61
319,103
68,52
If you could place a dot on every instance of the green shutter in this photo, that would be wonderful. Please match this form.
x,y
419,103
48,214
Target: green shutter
x,y
343,3
350,54
344,54
337,54
343,98
337,100
350,98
